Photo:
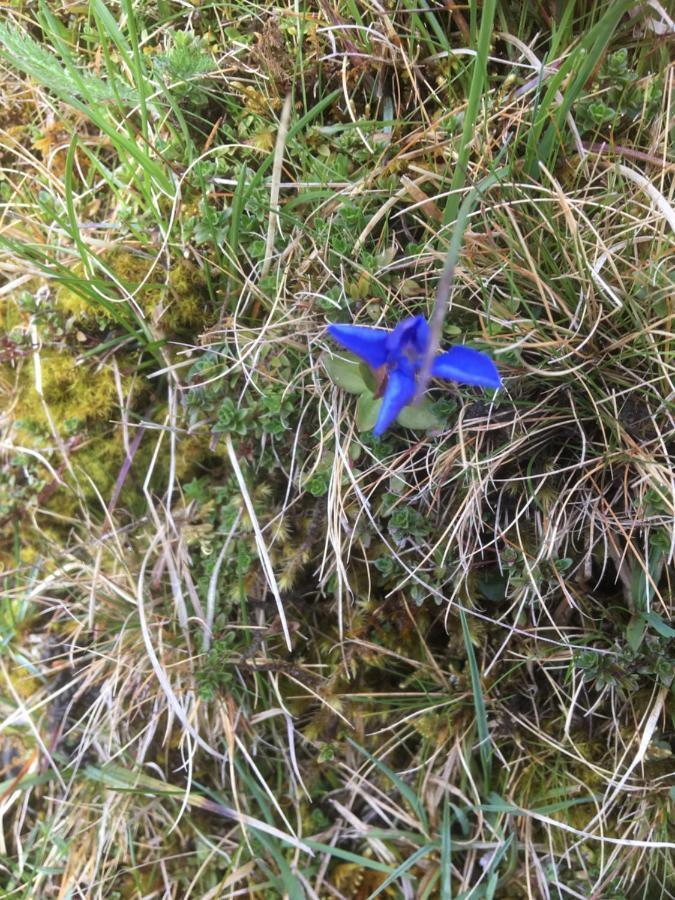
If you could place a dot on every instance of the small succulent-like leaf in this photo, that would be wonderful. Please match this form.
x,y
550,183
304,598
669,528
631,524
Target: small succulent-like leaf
x,y
661,627
367,411
418,418
345,372
635,632
369,377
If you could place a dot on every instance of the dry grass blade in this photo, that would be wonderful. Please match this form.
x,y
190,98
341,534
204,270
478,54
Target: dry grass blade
x,y
249,649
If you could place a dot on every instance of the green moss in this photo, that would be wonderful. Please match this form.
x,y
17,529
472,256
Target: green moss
x,y
188,305
100,461
11,315
70,303
73,393
82,400
102,456
176,302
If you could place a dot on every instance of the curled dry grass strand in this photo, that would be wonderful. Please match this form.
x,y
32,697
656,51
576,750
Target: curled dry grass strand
x,y
247,648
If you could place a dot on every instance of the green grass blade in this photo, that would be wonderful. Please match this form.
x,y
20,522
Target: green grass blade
x,y
401,870
406,791
581,61
446,852
478,701
365,861
478,81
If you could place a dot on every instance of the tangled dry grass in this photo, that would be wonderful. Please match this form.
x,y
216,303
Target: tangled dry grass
x,y
248,649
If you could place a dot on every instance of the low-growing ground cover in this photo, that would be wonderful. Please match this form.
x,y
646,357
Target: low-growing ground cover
x,y
247,647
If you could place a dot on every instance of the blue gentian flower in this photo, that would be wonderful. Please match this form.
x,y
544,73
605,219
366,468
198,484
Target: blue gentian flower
x,y
402,351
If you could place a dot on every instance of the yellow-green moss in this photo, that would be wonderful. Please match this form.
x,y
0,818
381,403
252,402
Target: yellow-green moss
x,y
175,302
102,456
72,392
11,315
188,303
98,462
71,303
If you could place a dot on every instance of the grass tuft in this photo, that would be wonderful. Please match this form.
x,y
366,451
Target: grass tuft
x,y
246,648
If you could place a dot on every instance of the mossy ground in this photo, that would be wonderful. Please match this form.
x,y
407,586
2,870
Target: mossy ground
x,y
246,648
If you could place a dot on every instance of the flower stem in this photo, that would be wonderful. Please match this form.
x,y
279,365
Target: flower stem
x,y
445,282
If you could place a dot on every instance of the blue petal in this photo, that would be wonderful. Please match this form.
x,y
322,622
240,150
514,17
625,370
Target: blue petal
x,y
368,343
466,366
399,391
422,335
411,333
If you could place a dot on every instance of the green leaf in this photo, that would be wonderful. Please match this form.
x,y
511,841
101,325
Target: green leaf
x,y
369,377
367,411
419,418
493,587
661,627
635,631
345,372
